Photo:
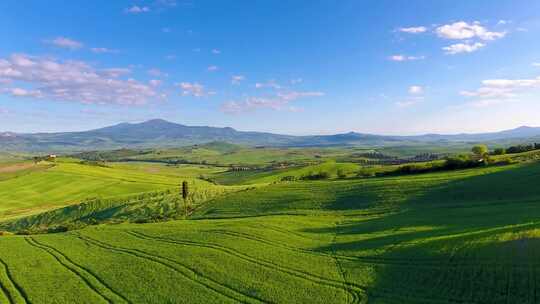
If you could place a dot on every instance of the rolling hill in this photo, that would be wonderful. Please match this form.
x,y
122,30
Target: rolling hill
x,y
468,236
161,133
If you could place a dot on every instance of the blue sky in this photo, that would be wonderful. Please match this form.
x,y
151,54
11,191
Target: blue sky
x,y
296,67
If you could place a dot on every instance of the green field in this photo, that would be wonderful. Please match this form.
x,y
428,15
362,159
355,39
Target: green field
x,y
33,188
466,236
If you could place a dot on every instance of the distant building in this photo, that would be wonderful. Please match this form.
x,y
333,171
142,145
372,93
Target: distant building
x,y
50,157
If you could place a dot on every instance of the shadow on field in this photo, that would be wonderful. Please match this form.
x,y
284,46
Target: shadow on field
x,y
472,240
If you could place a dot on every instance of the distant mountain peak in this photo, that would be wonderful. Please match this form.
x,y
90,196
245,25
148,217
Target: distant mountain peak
x,y
159,122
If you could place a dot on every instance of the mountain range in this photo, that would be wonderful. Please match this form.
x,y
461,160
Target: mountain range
x,y
161,133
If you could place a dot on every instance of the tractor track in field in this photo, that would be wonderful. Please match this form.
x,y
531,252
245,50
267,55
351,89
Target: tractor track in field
x,y
91,280
21,293
210,284
347,285
250,237
453,262
283,231
356,288
265,264
6,294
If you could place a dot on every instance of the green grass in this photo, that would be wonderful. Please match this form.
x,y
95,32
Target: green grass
x,y
468,236
48,186
331,168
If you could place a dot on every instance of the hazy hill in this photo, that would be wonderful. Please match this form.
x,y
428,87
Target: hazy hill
x,y
161,133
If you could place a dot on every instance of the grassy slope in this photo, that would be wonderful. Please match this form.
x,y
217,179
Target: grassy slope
x,y
456,237
269,176
32,190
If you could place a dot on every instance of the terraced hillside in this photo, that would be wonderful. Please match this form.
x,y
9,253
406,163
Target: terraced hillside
x,y
461,237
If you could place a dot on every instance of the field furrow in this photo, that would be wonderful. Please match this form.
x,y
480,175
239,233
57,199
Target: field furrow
x,y
92,281
256,261
186,272
13,292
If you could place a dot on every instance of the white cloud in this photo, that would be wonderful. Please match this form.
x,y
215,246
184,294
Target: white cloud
x,y
294,95
194,89
137,9
67,43
464,30
155,82
413,30
409,102
216,51
269,84
296,81
157,73
213,68
116,72
490,102
405,58
101,50
463,48
416,90
166,3
74,81
279,102
498,91
19,92
236,79
536,64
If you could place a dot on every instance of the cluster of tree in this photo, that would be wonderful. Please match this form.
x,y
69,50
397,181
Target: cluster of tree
x,y
97,163
517,149
38,159
316,176
374,155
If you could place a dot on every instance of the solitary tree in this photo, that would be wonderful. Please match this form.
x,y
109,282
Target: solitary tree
x,y
185,194
185,190
480,150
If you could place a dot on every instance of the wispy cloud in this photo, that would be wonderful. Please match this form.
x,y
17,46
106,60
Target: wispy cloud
x,y
216,52
498,91
296,81
67,43
102,50
20,92
237,79
194,89
137,9
74,81
269,84
536,64
459,48
415,97
157,73
413,30
409,102
278,102
405,58
212,68
415,89
155,82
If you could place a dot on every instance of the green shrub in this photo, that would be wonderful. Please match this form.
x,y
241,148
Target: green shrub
x,y
316,176
288,178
